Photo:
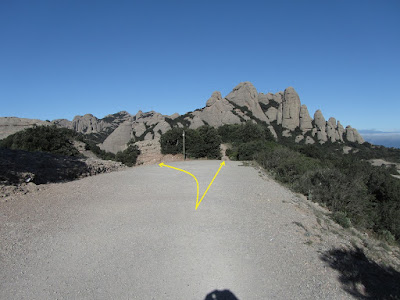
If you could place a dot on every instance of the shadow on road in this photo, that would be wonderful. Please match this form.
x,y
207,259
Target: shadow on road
x,y
361,277
221,295
16,166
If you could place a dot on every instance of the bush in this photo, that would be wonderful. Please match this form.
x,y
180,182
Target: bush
x,y
342,219
89,145
387,236
172,141
244,133
286,164
202,142
249,151
128,156
207,143
43,138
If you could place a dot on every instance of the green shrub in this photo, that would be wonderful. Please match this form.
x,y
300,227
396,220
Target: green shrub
x,y
43,138
249,150
387,236
342,219
244,133
286,164
128,156
172,141
208,143
202,142
91,146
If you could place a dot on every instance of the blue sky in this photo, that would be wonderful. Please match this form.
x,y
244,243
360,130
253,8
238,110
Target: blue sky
x,y
59,59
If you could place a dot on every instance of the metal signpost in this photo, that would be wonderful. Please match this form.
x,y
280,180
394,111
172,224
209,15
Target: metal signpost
x,y
184,155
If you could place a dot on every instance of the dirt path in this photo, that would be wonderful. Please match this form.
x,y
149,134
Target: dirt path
x,y
135,234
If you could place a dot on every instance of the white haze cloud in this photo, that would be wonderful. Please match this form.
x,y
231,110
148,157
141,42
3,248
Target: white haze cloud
x,y
388,139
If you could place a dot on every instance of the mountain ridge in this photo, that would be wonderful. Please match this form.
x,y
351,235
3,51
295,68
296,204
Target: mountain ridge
x,y
282,112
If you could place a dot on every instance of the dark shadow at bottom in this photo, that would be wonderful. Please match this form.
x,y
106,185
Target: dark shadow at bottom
x,y
362,277
221,295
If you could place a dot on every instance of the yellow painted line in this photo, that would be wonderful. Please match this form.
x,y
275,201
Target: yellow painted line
x,y
197,182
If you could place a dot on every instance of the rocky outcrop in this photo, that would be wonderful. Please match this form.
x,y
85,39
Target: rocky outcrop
x,y
305,119
299,138
216,96
309,141
320,122
218,112
63,123
161,128
352,135
272,114
88,124
282,112
290,109
340,130
279,114
245,94
196,122
118,139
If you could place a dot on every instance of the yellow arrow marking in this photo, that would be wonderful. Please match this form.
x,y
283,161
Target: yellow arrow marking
x,y
197,183
164,165
198,203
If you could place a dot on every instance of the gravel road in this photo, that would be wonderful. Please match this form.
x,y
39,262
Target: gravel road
x,y
135,234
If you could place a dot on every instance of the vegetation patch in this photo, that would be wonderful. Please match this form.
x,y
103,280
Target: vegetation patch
x,y
201,142
43,138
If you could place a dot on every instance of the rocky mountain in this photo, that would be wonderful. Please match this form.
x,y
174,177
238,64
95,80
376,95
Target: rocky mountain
x,y
282,112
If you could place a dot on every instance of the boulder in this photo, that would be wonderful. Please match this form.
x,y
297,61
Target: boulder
x,y
331,132
174,116
216,96
262,98
321,136
340,130
286,133
88,124
352,135
309,140
245,94
138,115
305,119
299,138
319,120
314,132
162,127
279,97
118,139
196,122
279,115
138,128
332,122
271,114
148,136
291,109
217,112
63,123
273,132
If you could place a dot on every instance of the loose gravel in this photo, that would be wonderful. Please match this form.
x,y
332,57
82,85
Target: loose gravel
x,y
135,234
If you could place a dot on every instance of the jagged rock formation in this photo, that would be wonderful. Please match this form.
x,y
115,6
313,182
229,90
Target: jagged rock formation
x,y
283,113
305,119
291,109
